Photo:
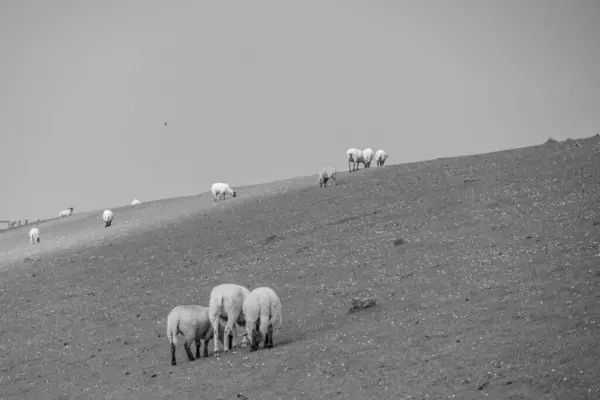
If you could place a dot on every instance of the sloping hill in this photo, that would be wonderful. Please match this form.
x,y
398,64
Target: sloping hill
x,y
493,288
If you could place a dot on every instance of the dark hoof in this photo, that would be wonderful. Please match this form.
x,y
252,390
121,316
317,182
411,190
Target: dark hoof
x,y
173,363
269,346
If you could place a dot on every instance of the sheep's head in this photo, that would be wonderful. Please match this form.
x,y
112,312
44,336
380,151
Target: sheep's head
x,y
234,194
253,335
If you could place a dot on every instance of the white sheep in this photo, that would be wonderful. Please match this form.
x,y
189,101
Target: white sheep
x,y
107,217
226,302
219,190
262,313
367,157
326,175
135,202
380,157
67,212
354,158
34,235
193,323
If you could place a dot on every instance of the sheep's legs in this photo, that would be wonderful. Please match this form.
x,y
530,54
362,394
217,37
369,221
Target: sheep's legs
x,y
265,330
215,324
188,351
269,341
173,362
198,348
205,353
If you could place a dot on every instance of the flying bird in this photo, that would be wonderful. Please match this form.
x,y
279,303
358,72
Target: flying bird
x,y
165,123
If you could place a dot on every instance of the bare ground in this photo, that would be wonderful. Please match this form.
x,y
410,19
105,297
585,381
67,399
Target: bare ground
x,y
485,270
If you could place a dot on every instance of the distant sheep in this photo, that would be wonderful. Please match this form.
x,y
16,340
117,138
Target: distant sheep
x,y
219,190
326,175
226,302
107,217
367,157
380,157
34,235
354,158
193,323
135,202
67,212
262,312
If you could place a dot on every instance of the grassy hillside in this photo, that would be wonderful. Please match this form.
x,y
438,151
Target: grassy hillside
x,y
493,289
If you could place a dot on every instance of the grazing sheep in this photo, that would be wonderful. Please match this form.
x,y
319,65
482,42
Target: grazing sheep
x,y
67,212
219,190
107,217
34,235
326,175
193,323
226,302
367,157
354,158
380,157
135,202
262,312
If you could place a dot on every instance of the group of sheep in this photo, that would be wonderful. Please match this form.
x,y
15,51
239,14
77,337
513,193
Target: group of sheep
x,y
325,177
107,218
229,305
357,156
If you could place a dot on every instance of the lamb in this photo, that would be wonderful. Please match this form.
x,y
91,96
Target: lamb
x,y
193,323
367,157
226,302
135,202
380,157
326,175
34,235
262,312
67,212
354,158
107,217
219,190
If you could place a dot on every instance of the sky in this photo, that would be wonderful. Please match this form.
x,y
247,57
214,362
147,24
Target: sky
x,y
255,91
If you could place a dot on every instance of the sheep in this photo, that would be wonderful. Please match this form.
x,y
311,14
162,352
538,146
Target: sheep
x,y
380,157
135,202
219,190
107,217
354,158
34,236
262,313
367,157
193,323
67,212
326,175
226,302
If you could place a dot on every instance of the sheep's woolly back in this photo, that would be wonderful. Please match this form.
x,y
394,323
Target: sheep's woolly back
x,y
223,296
34,235
354,153
367,154
187,318
380,155
263,302
107,215
325,174
220,187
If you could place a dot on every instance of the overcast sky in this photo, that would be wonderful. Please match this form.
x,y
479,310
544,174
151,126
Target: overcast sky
x,y
255,91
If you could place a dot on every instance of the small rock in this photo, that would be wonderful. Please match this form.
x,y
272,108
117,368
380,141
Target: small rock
x,y
361,304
